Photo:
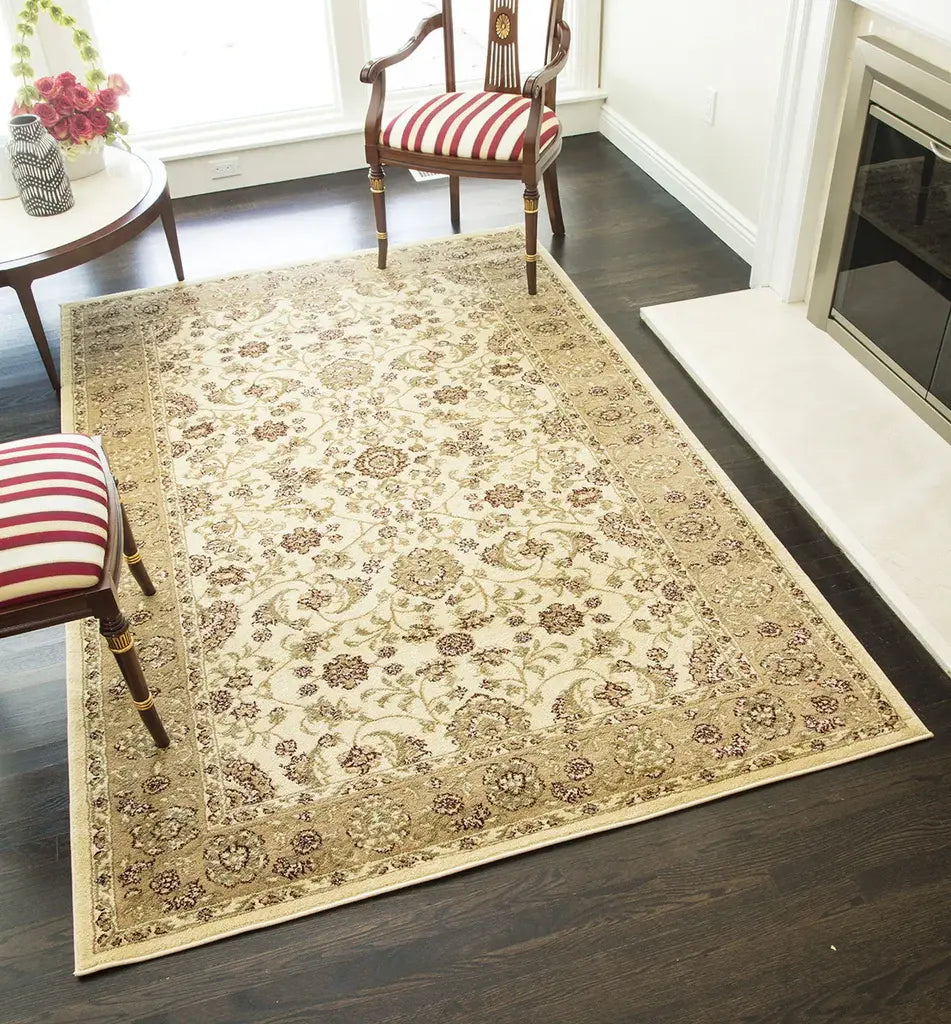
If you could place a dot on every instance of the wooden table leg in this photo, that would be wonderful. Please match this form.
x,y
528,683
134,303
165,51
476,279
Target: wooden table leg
x,y
28,304
171,234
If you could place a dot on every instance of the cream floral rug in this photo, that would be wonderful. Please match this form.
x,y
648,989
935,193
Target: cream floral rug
x,y
442,579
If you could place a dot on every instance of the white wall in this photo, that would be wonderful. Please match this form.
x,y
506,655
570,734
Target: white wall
x,y
658,59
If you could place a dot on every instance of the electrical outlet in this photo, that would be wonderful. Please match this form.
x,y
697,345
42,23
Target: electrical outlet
x,y
710,105
226,167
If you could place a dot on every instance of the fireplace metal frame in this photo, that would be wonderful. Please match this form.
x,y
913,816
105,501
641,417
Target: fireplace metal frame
x,y
918,94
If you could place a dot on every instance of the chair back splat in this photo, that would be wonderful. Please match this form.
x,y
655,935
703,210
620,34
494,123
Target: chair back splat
x,y
502,71
501,62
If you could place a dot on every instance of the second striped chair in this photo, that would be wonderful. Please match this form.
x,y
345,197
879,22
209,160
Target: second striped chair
x,y
63,533
506,130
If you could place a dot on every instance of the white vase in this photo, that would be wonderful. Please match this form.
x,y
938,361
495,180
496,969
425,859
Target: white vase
x,y
86,160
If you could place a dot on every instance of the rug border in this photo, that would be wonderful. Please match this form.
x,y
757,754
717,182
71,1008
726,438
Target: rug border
x,y
87,962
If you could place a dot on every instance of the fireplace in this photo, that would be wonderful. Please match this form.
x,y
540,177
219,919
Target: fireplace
x,y
882,285
868,468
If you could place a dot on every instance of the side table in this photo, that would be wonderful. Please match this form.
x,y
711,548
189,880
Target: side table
x,y
111,207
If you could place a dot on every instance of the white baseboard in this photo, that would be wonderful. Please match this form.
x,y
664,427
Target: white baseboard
x,y
723,219
338,149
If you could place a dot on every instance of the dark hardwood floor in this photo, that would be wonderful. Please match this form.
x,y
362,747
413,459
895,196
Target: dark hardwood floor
x,y
821,899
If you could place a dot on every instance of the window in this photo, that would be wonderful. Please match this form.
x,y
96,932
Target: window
x,y
233,60
217,75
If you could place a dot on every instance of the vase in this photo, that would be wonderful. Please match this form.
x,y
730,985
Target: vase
x,y
38,169
81,161
8,187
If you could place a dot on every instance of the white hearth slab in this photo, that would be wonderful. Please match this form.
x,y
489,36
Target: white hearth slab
x,y
874,476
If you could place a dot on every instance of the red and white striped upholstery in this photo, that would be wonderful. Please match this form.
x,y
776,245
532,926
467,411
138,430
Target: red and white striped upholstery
x,y
471,125
54,517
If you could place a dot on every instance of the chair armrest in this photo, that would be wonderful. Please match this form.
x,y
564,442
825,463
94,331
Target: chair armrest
x,y
372,71
536,82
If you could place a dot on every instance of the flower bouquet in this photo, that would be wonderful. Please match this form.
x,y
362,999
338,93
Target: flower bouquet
x,y
75,115
82,117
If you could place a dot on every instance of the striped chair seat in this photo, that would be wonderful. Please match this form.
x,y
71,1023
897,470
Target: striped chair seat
x,y
471,125
54,517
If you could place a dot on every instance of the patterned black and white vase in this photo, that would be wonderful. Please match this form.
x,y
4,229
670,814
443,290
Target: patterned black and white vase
x,y
38,168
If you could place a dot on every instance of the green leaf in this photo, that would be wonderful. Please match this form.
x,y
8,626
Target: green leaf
x,y
20,50
88,53
24,29
80,36
54,11
22,69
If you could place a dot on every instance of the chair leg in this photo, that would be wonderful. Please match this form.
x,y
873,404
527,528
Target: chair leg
x,y
454,200
531,238
133,558
378,188
554,201
114,626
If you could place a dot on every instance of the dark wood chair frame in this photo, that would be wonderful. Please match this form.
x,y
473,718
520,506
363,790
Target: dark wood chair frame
x,y
102,602
502,75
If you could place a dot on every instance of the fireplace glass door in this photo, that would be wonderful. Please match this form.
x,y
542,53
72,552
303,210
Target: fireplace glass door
x,y
893,288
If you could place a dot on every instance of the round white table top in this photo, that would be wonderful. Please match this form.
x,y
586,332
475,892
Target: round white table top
x,y
101,198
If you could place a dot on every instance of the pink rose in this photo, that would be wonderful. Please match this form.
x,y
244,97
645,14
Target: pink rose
x,y
47,87
99,122
118,83
80,130
46,113
60,130
108,99
66,78
62,106
82,98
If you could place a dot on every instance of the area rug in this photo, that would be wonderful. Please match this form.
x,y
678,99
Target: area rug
x,y
442,579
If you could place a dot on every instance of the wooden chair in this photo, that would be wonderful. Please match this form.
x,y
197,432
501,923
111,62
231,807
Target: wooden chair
x,y
508,130
63,532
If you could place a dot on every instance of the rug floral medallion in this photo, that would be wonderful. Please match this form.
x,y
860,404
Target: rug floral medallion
x,y
441,578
